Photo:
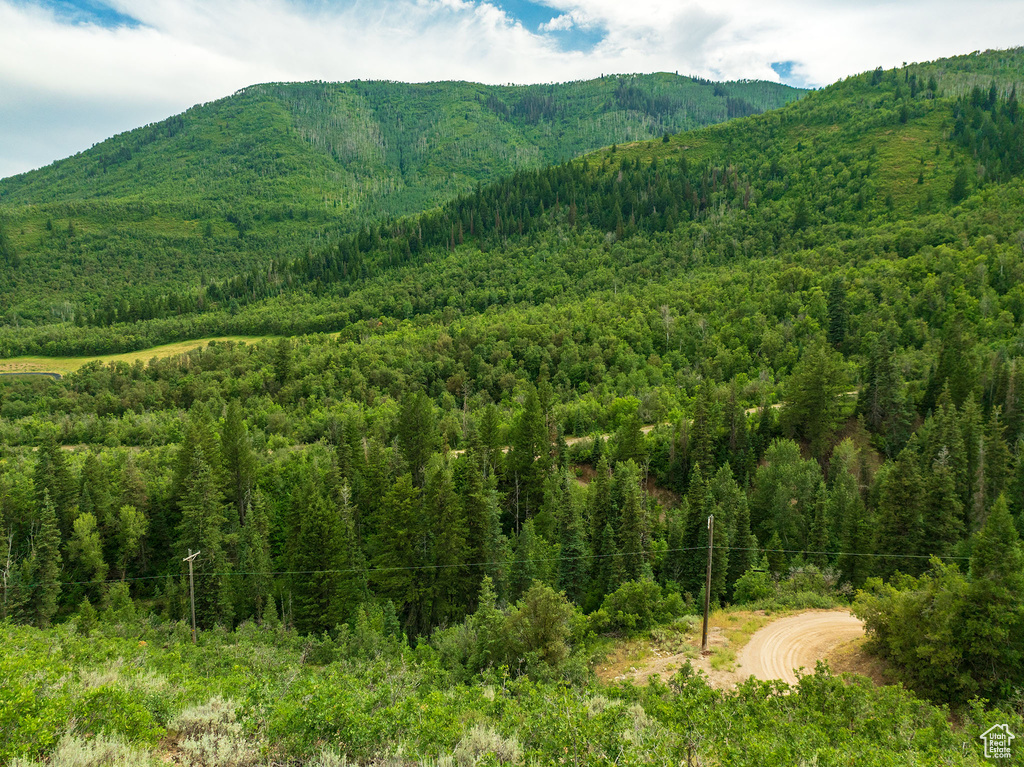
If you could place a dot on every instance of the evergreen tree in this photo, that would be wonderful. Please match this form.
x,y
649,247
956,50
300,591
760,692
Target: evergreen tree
x,y
451,584
899,515
317,562
52,480
837,313
813,405
972,430
776,556
993,622
45,565
239,461
703,430
352,586
633,532
201,529
854,522
527,461
573,564
417,433
602,511
254,564
396,551
818,538
941,513
995,468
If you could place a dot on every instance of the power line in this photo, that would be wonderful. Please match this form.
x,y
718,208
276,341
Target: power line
x,y
403,568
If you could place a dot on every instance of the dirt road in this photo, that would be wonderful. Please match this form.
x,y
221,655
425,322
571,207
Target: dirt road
x,y
798,641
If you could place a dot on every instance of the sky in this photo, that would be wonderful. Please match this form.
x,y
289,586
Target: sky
x,y
74,72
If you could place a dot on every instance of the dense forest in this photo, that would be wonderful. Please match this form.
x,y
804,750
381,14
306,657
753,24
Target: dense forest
x,y
277,169
482,439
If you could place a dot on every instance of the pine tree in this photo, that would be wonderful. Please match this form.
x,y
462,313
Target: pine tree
x,y
813,406
396,551
837,313
941,513
600,502
317,561
776,556
45,565
352,585
451,584
239,461
818,537
254,564
201,529
52,479
572,555
995,470
703,430
854,522
972,431
633,532
993,622
899,515
417,433
527,461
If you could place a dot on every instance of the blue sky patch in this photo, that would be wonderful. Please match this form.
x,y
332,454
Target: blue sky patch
x,y
784,69
531,15
88,12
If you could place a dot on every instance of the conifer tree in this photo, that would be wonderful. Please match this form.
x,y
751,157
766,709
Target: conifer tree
x,y
818,539
417,433
396,551
633,532
201,529
854,522
317,561
837,313
971,428
573,565
994,611
703,430
254,563
600,502
52,480
352,586
901,490
451,585
527,461
45,565
776,556
941,513
239,462
995,470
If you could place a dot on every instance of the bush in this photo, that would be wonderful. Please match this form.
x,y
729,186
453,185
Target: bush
x,y
637,606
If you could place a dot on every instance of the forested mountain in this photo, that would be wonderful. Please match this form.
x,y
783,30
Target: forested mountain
x,y
817,309
278,168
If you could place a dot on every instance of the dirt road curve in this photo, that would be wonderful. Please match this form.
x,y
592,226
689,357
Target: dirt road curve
x,y
799,641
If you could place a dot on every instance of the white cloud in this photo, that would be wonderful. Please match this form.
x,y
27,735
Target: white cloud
x,y
66,85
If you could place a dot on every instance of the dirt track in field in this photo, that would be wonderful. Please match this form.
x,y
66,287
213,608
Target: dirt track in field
x,y
799,641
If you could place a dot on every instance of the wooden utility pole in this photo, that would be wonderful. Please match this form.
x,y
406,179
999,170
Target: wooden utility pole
x,y
192,592
707,584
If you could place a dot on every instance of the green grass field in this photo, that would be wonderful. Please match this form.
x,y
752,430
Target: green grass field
x,y
65,365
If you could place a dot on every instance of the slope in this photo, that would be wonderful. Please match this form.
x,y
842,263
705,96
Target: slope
x,y
275,169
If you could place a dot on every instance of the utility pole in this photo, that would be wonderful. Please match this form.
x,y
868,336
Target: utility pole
x,y
192,592
707,584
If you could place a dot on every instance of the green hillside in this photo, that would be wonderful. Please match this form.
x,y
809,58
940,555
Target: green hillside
x,y
276,169
805,323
